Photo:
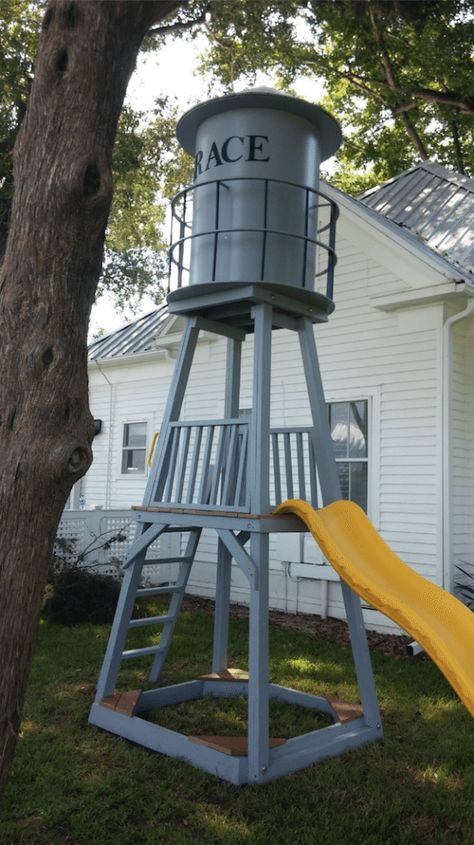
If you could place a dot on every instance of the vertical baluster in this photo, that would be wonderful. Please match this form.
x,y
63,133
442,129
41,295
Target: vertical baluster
x,y
216,234
229,465
206,465
332,254
241,486
305,242
182,235
182,464
276,468
194,463
300,457
172,466
218,465
312,471
290,493
264,231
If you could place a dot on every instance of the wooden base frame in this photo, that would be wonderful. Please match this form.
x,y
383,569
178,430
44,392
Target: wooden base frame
x,y
225,757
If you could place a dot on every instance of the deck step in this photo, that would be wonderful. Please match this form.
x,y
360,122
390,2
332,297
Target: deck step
x,y
122,702
226,675
345,711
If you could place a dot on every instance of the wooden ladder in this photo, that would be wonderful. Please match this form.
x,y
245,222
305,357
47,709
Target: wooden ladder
x,y
130,592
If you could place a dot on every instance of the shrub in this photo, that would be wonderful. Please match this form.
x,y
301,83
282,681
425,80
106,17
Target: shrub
x,y
78,595
76,592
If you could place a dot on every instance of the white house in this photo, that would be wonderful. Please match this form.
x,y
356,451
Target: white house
x,y
397,359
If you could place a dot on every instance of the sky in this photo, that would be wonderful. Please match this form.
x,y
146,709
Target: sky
x,y
172,71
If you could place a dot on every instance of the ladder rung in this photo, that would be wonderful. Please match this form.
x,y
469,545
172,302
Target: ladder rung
x,y
142,652
157,591
156,561
150,620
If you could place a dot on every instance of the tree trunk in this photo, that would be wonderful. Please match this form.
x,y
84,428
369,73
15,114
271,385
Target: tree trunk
x,y
48,279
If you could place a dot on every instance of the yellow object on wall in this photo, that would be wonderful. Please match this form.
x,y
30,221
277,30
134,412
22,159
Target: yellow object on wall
x,y
151,450
440,623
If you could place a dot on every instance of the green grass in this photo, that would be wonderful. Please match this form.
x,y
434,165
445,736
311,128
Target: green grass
x,y
72,783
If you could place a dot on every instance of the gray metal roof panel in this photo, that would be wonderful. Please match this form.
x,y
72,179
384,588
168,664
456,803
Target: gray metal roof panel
x,y
435,205
132,338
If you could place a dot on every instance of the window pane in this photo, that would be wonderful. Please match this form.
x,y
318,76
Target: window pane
x,y
359,483
135,435
358,430
338,421
133,460
343,472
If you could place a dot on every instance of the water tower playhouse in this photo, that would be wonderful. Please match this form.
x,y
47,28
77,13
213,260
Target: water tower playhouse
x,y
255,238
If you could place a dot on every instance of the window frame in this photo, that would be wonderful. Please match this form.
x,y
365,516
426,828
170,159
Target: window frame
x,y
348,459
372,396
123,448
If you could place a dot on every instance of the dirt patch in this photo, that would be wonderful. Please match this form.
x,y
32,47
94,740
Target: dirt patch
x,y
335,630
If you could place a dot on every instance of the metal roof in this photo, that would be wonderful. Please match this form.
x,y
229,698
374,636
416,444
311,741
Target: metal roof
x,y
132,338
434,204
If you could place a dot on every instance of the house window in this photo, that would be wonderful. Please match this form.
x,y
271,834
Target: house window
x,y
134,448
349,431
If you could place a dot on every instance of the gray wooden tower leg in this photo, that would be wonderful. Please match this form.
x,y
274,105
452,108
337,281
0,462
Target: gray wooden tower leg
x,y
331,491
258,692
224,558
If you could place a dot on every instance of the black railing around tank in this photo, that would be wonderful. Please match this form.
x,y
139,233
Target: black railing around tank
x,y
314,201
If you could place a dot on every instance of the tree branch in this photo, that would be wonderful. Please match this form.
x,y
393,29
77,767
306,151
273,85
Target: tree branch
x,y
384,57
393,85
414,136
357,80
447,98
180,26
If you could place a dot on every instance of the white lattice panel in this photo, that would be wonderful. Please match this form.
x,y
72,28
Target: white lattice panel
x,y
94,528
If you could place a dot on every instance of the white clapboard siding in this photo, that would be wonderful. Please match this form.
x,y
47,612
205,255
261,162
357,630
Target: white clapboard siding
x,y
96,481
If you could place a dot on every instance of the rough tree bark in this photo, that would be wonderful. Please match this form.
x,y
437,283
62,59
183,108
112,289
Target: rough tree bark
x,y
50,270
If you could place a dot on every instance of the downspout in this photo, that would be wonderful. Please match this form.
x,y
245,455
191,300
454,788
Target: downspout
x,y
447,368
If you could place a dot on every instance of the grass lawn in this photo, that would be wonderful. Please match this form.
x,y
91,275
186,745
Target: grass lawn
x,y
74,784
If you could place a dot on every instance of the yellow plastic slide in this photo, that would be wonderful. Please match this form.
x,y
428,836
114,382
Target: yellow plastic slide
x,y
440,623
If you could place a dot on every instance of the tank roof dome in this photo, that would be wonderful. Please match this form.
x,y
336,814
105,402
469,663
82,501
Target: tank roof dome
x,y
330,136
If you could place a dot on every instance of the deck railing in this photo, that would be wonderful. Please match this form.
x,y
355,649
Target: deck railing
x,y
206,465
293,465
316,212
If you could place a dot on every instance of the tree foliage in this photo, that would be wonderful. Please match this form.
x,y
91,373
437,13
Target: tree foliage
x,y
147,164
19,25
148,169
398,73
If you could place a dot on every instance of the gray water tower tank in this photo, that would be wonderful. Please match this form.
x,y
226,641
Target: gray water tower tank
x,y
255,197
